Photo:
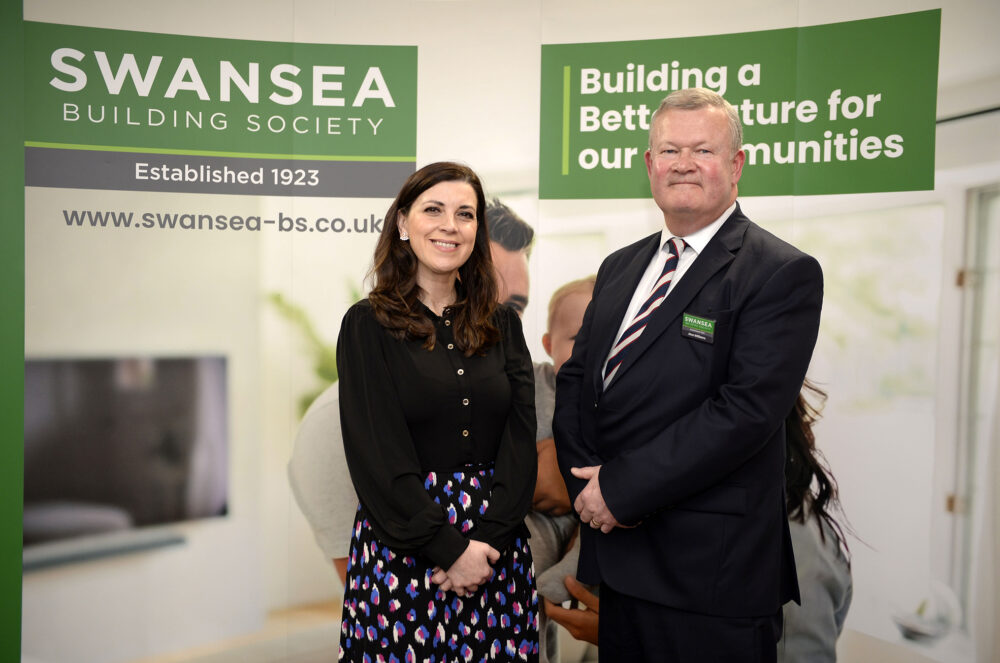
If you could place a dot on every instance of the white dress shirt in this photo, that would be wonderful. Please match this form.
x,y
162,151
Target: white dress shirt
x,y
695,243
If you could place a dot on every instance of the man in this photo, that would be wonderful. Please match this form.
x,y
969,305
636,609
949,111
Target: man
x,y
510,244
318,472
669,414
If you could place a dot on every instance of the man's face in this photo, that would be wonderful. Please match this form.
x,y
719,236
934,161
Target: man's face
x,y
566,322
692,170
512,276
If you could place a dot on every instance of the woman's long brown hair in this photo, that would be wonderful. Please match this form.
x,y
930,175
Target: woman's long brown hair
x,y
395,294
805,465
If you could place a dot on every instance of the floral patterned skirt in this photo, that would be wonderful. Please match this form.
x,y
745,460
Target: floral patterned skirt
x,y
394,613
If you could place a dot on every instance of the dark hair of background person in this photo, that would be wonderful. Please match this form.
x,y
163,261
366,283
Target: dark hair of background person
x,y
805,464
395,294
508,229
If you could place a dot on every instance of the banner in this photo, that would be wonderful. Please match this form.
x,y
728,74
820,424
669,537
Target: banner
x,y
137,111
841,108
199,213
214,195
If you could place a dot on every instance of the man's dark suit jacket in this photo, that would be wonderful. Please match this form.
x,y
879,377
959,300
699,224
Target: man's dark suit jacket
x,y
690,434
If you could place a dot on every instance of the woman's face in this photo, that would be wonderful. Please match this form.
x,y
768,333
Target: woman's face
x,y
442,228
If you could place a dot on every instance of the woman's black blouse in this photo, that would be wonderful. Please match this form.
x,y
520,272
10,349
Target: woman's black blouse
x,y
406,411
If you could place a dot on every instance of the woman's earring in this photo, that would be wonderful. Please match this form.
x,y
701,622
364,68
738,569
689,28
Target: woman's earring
x,y
403,236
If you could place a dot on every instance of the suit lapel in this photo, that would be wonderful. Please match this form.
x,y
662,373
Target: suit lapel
x,y
615,300
718,253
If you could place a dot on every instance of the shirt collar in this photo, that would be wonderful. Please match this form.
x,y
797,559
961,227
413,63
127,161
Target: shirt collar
x,y
699,239
459,295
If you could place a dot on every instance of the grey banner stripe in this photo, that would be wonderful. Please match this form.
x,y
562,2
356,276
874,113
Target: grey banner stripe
x,y
129,171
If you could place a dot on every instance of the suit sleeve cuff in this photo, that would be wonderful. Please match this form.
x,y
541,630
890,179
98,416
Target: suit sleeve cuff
x,y
615,499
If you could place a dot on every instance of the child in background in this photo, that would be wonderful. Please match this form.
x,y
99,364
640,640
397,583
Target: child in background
x,y
552,521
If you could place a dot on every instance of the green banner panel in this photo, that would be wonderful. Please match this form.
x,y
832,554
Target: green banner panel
x,y
11,332
135,92
840,108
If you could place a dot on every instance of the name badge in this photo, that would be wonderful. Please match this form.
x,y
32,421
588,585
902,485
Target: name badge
x,y
699,329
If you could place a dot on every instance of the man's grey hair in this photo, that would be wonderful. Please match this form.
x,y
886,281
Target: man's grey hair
x,y
696,98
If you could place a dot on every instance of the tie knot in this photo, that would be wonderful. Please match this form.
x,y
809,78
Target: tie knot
x,y
675,245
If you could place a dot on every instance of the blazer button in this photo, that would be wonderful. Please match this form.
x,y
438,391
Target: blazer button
x,y
461,371
595,405
465,433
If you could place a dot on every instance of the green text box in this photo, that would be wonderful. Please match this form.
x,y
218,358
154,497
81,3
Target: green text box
x,y
89,87
841,108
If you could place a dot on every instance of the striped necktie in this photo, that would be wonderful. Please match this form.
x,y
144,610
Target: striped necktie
x,y
656,296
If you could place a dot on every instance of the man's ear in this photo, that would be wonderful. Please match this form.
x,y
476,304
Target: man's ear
x,y
738,159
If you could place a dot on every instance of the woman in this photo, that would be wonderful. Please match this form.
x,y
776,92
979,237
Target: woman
x,y
822,559
437,411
